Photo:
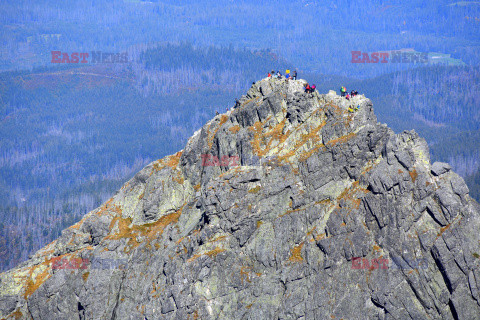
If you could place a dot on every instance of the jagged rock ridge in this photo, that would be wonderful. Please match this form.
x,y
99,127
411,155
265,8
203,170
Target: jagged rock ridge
x,y
326,217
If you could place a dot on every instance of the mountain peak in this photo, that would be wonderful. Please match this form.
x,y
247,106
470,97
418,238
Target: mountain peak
x,y
288,206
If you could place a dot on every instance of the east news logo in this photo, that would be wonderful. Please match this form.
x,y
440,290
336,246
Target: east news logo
x,y
83,57
400,56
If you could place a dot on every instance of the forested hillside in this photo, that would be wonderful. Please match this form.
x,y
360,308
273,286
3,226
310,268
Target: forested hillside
x,y
314,35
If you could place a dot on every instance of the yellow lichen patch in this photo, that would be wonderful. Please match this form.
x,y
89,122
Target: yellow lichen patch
x,y
296,253
85,276
259,223
234,129
254,190
376,248
196,187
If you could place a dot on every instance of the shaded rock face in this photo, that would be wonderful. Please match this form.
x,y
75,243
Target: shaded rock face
x,y
328,215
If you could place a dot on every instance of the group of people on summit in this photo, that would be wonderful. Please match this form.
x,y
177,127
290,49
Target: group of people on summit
x,y
288,76
344,93
353,93
308,88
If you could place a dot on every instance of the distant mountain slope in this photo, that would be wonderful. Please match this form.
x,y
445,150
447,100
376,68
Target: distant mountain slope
x,y
318,36
328,214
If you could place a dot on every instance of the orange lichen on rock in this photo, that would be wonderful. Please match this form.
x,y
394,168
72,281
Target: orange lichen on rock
x,y
245,274
178,178
77,225
211,254
350,195
234,129
169,161
413,175
150,231
311,137
173,160
296,253
443,229
220,238
34,280
17,314
341,139
257,134
211,135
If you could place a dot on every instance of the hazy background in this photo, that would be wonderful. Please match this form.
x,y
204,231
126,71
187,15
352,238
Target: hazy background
x,y
72,134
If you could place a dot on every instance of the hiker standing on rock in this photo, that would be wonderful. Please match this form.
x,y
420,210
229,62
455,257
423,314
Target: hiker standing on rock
x,y
294,75
307,88
343,90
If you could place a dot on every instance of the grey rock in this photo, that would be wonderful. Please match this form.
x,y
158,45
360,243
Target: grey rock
x,y
329,214
439,168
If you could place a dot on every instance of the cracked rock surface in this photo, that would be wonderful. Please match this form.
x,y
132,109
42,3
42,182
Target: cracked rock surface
x,y
328,215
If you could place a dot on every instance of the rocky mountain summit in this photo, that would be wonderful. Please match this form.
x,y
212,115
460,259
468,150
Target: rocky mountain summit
x,y
289,206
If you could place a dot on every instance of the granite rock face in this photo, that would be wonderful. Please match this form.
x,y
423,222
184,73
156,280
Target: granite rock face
x,y
287,207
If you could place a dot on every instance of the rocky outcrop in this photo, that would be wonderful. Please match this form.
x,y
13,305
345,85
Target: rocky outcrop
x,y
287,207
